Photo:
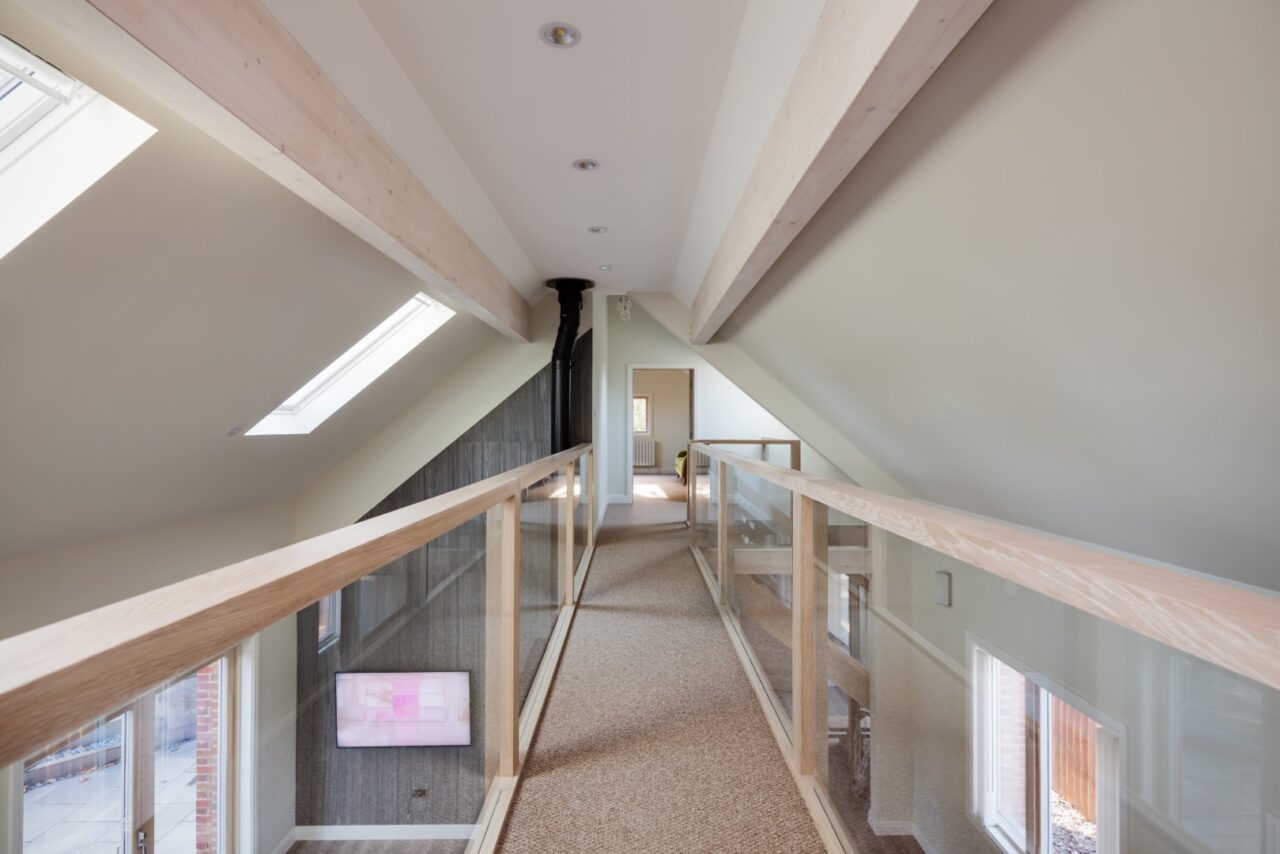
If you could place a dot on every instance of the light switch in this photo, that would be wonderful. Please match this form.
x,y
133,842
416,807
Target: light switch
x,y
942,588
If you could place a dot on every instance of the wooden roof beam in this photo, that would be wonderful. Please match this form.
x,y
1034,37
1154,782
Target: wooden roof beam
x,y
865,61
233,71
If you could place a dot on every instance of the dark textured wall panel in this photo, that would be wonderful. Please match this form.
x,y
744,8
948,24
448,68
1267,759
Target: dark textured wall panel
x,y
425,611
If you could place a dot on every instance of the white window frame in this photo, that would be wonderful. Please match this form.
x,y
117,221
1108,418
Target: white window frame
x,y
648,411
59,148
356,369
328,639
1111,748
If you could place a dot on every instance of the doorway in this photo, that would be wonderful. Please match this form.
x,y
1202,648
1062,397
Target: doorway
x,y
661,413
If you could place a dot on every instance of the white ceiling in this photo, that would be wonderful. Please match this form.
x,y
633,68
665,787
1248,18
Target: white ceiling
x,y
183,294
640,94
186,293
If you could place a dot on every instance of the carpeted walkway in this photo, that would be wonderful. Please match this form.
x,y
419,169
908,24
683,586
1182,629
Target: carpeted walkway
x,y
652,739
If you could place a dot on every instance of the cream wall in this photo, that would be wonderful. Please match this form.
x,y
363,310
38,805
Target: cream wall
x,y
773,396
47,586
721,409
669,392
1048,295
1202,746
277,739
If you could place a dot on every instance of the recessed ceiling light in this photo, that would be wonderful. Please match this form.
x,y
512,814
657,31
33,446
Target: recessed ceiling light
x,y
598,229
560,34
586,164
606,267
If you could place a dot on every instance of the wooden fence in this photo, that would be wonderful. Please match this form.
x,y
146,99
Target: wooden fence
x,y
1075,758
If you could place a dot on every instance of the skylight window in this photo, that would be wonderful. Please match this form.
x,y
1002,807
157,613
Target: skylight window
x,y
57,137
331,389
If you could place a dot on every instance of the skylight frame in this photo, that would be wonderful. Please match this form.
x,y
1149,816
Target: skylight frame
x,y
356,369
58,145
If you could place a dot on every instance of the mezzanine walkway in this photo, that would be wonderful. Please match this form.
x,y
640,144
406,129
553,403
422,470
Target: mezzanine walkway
x,y
652,739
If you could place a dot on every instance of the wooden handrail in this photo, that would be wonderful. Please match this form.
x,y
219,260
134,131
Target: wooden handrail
x,y
794,444
61,676
746,441
1231,625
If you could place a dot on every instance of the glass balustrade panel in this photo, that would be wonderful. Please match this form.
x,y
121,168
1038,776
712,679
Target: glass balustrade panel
x,y
965,712
541,594
758,578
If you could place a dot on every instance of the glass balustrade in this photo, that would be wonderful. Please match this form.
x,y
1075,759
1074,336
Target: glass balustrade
x,y
390,701
758,561
541,592
956,710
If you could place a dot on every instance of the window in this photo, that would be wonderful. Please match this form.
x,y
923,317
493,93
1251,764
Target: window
x,y
641,414
331,389
1046,771
330,620
156,768
57,138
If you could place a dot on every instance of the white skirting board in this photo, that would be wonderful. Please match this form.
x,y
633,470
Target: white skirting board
x,y
286,843
891,828
619,499
351,832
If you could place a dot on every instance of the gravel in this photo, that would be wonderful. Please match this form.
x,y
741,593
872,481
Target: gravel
x,y
1072,834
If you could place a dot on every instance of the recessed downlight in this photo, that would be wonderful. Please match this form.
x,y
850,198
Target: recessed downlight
x,y
560,34
606,267
598,229
586,164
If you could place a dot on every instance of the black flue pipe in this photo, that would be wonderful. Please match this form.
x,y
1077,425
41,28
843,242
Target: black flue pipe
x,y
569,292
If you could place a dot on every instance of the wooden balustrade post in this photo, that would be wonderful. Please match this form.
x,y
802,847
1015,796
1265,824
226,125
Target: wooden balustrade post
x,y
566,533
507,699
140,744
691,488
808,631
724,554
591,498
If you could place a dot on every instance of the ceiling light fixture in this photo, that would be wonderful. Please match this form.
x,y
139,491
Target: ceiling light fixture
x,y
598,229
560,34
586,164
606,267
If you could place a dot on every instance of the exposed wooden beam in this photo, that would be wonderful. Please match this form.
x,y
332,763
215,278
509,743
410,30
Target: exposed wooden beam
x,y
865,61
233,71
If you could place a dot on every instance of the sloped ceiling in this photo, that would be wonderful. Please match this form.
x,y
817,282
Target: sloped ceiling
x,y
182,295
1048,294
640,94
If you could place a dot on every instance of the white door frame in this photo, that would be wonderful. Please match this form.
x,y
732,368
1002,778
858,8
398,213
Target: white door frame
x,y
632,367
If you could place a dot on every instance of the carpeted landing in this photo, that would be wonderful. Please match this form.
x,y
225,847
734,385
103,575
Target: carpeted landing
x,y
652,739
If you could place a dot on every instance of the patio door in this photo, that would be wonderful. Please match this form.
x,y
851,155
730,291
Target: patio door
x,y
150,778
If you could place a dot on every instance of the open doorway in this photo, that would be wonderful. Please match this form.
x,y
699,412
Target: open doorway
x,y
662,423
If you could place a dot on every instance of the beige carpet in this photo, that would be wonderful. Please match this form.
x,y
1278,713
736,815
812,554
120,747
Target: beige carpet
x,y
652,739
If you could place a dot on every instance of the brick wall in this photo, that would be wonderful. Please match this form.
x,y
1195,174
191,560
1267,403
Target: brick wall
x,y
208,744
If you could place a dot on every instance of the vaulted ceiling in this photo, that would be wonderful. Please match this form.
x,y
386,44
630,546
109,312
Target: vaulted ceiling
x,y
1044,295
186,294
182,295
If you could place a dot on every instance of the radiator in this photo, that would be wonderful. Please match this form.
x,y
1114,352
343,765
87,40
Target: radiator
x,y
701,461
643,453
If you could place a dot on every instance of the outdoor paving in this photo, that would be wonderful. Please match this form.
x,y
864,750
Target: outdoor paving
x,y
85,814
